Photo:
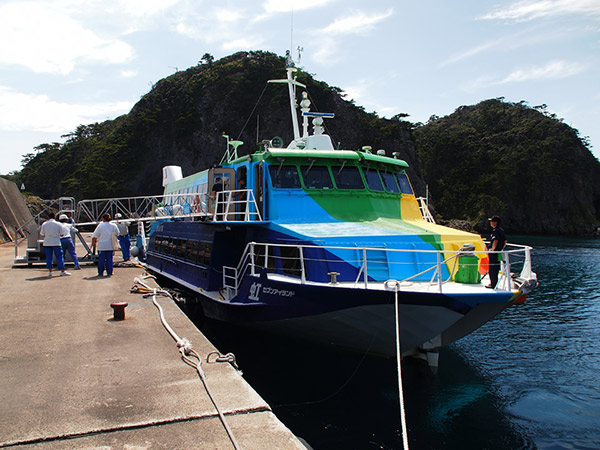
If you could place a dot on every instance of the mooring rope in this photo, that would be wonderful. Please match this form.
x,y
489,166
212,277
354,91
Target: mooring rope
x,y
393,284
187,352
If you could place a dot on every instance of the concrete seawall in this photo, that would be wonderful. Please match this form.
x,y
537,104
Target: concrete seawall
x,y
73,377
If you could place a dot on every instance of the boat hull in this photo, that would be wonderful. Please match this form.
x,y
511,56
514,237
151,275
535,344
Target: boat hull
x,y
354,318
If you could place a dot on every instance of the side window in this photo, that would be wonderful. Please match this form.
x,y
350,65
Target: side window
x,y
284,177
347,177
204,249
405,186
389,182
179,250
316,177
373,180
192,251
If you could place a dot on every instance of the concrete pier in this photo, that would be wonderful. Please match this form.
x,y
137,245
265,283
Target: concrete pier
x,y
74,377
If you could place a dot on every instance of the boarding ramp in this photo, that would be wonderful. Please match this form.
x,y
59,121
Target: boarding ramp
x,y
227,206
231,206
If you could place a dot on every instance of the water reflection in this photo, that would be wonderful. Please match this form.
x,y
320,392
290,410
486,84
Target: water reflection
x,y
343,400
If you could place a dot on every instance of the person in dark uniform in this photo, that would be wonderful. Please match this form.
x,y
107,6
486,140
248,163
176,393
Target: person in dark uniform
x,y
497,244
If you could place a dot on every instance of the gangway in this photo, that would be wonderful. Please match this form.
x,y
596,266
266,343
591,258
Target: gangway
x,y
228,206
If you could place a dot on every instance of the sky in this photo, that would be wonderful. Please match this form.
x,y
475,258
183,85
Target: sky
x,y
64,63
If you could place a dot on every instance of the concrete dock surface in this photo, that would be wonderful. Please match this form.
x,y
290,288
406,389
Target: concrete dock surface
x,y
73,377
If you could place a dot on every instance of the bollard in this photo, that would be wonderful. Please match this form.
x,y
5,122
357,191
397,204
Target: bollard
x,y
333,276
119,310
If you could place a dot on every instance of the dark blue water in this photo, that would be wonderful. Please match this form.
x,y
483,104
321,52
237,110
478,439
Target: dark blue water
x,y
528,379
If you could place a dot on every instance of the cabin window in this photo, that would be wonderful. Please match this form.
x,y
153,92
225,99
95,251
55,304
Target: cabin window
x,y
405,186
204,249
164,245
284,177
192,251
347,177
179,248
389,182
373,180
316,177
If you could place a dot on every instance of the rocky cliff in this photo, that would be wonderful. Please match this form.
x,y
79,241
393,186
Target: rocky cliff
x,y
513,160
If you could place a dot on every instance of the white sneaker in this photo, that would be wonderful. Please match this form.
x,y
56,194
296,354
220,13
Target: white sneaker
x,y
65,273
49,274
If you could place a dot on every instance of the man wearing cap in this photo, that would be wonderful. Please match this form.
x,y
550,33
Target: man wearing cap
x,y
66,239
497,244
51,231
123,237
102,239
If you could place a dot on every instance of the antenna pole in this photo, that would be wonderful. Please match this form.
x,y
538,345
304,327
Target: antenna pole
x,y
292,90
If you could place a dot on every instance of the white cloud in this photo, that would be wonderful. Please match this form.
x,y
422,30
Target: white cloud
x,y
534,9
281,6
357,23
36,37
552,70
20,111
326,47
128,73
239,44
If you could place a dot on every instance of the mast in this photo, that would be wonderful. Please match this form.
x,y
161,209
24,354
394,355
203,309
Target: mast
x,y
292,83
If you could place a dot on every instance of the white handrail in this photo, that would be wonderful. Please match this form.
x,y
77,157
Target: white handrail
x,y
249,261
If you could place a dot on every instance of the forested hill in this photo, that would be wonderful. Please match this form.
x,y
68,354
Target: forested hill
x,y
181,122
492,158
519,162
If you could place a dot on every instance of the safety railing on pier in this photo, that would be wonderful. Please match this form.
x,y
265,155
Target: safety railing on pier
x,y
435,268
231,206
236,206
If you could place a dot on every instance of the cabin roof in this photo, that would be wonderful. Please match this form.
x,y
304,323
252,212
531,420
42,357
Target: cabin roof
x,y
274,153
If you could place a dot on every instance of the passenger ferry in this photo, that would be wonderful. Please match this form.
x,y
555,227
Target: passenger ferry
x,y
326,244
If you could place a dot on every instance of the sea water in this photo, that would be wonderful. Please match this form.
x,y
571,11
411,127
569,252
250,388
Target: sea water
x,y
528,379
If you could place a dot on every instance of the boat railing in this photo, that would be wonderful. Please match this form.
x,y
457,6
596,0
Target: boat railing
x,y
424,207
237,205
436,268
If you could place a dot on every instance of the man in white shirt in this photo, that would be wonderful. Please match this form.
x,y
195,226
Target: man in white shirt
x,y
102,239
51,232
66,239
124,240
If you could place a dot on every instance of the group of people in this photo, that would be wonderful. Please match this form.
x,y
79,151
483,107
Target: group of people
x,y
58,239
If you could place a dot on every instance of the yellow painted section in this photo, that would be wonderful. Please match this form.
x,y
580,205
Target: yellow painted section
x,y
451,240
409,208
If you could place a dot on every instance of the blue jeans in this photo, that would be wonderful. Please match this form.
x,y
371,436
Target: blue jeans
x,y
56,251
105,260
125,246
68,246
